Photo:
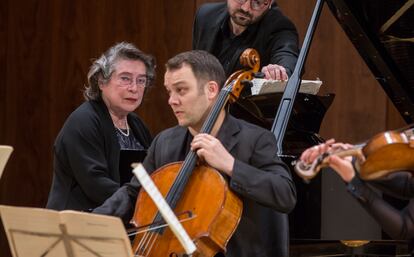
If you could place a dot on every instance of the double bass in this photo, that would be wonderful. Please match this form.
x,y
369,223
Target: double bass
x,y
211,222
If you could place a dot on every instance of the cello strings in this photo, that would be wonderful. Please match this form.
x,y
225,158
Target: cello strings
x,y
142,243
159,226
152,244
149,239
149,243
148,231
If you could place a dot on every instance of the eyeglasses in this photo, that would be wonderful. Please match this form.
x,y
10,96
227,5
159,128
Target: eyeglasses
x,y
127,80
254,4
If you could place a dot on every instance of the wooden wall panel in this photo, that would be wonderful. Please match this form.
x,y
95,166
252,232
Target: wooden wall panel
x,y
47,62
27,94
4,11
170,35
45,52
3,65
46,49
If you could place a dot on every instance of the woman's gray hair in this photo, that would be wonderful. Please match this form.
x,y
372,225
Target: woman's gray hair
x,y
101,69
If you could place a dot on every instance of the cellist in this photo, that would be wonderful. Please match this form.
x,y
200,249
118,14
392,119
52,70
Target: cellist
x,y
399,224
245,154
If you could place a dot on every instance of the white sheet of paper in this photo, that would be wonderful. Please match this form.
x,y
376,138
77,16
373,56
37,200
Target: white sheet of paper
x,y
263,86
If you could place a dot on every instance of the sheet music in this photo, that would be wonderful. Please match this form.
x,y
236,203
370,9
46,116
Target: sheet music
x,y
39,232
263,86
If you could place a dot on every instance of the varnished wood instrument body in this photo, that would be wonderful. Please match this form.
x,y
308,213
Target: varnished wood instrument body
x,y
215,211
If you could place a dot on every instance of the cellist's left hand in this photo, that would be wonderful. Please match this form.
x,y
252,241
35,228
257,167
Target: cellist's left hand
x,y
210,149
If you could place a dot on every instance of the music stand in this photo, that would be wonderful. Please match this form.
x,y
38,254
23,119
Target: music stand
x,y
5,152
47,233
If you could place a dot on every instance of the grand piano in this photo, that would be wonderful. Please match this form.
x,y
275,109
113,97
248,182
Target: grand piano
x,y
383,34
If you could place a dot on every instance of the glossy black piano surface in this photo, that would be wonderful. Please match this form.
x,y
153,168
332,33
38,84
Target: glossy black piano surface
x,y
325,211
387,50
304,123
302,132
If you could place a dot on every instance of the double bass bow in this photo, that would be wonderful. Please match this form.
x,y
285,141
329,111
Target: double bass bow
x,y
185,185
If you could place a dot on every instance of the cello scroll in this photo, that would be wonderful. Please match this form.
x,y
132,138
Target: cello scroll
x,y
251,61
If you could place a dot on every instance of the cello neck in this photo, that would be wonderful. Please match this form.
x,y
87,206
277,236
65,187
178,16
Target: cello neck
x,y
215,111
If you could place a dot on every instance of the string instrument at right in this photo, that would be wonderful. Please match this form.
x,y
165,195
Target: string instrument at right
x,y
383,154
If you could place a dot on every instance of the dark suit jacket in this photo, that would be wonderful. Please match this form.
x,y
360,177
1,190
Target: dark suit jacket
x,y
262,181
274,36
86,157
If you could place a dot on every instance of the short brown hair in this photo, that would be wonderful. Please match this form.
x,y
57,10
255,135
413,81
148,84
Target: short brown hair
x,y
205,66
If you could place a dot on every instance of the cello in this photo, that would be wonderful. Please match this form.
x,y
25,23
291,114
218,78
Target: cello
x,y
185,186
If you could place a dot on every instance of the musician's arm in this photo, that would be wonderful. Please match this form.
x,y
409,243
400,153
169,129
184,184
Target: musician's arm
x,y
399,184
284,48
398,224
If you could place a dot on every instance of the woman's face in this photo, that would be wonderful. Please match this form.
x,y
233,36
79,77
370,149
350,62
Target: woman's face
x,y
124,91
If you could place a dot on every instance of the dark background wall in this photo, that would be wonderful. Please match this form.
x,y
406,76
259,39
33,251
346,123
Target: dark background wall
x,y
46,48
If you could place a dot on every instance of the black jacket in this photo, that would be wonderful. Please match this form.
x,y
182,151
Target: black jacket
x,y
86,157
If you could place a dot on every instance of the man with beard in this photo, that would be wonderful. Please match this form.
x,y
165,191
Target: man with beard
x,y
227,29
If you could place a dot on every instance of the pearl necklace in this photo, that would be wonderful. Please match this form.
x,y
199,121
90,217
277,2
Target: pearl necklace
x,y
127,129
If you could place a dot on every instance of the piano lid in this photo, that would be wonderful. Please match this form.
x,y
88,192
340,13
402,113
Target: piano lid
x,y
383,34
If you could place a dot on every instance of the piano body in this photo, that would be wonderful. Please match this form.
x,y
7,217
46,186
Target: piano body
x,y
383,34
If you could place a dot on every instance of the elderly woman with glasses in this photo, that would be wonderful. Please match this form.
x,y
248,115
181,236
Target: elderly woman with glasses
x,y
87,149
